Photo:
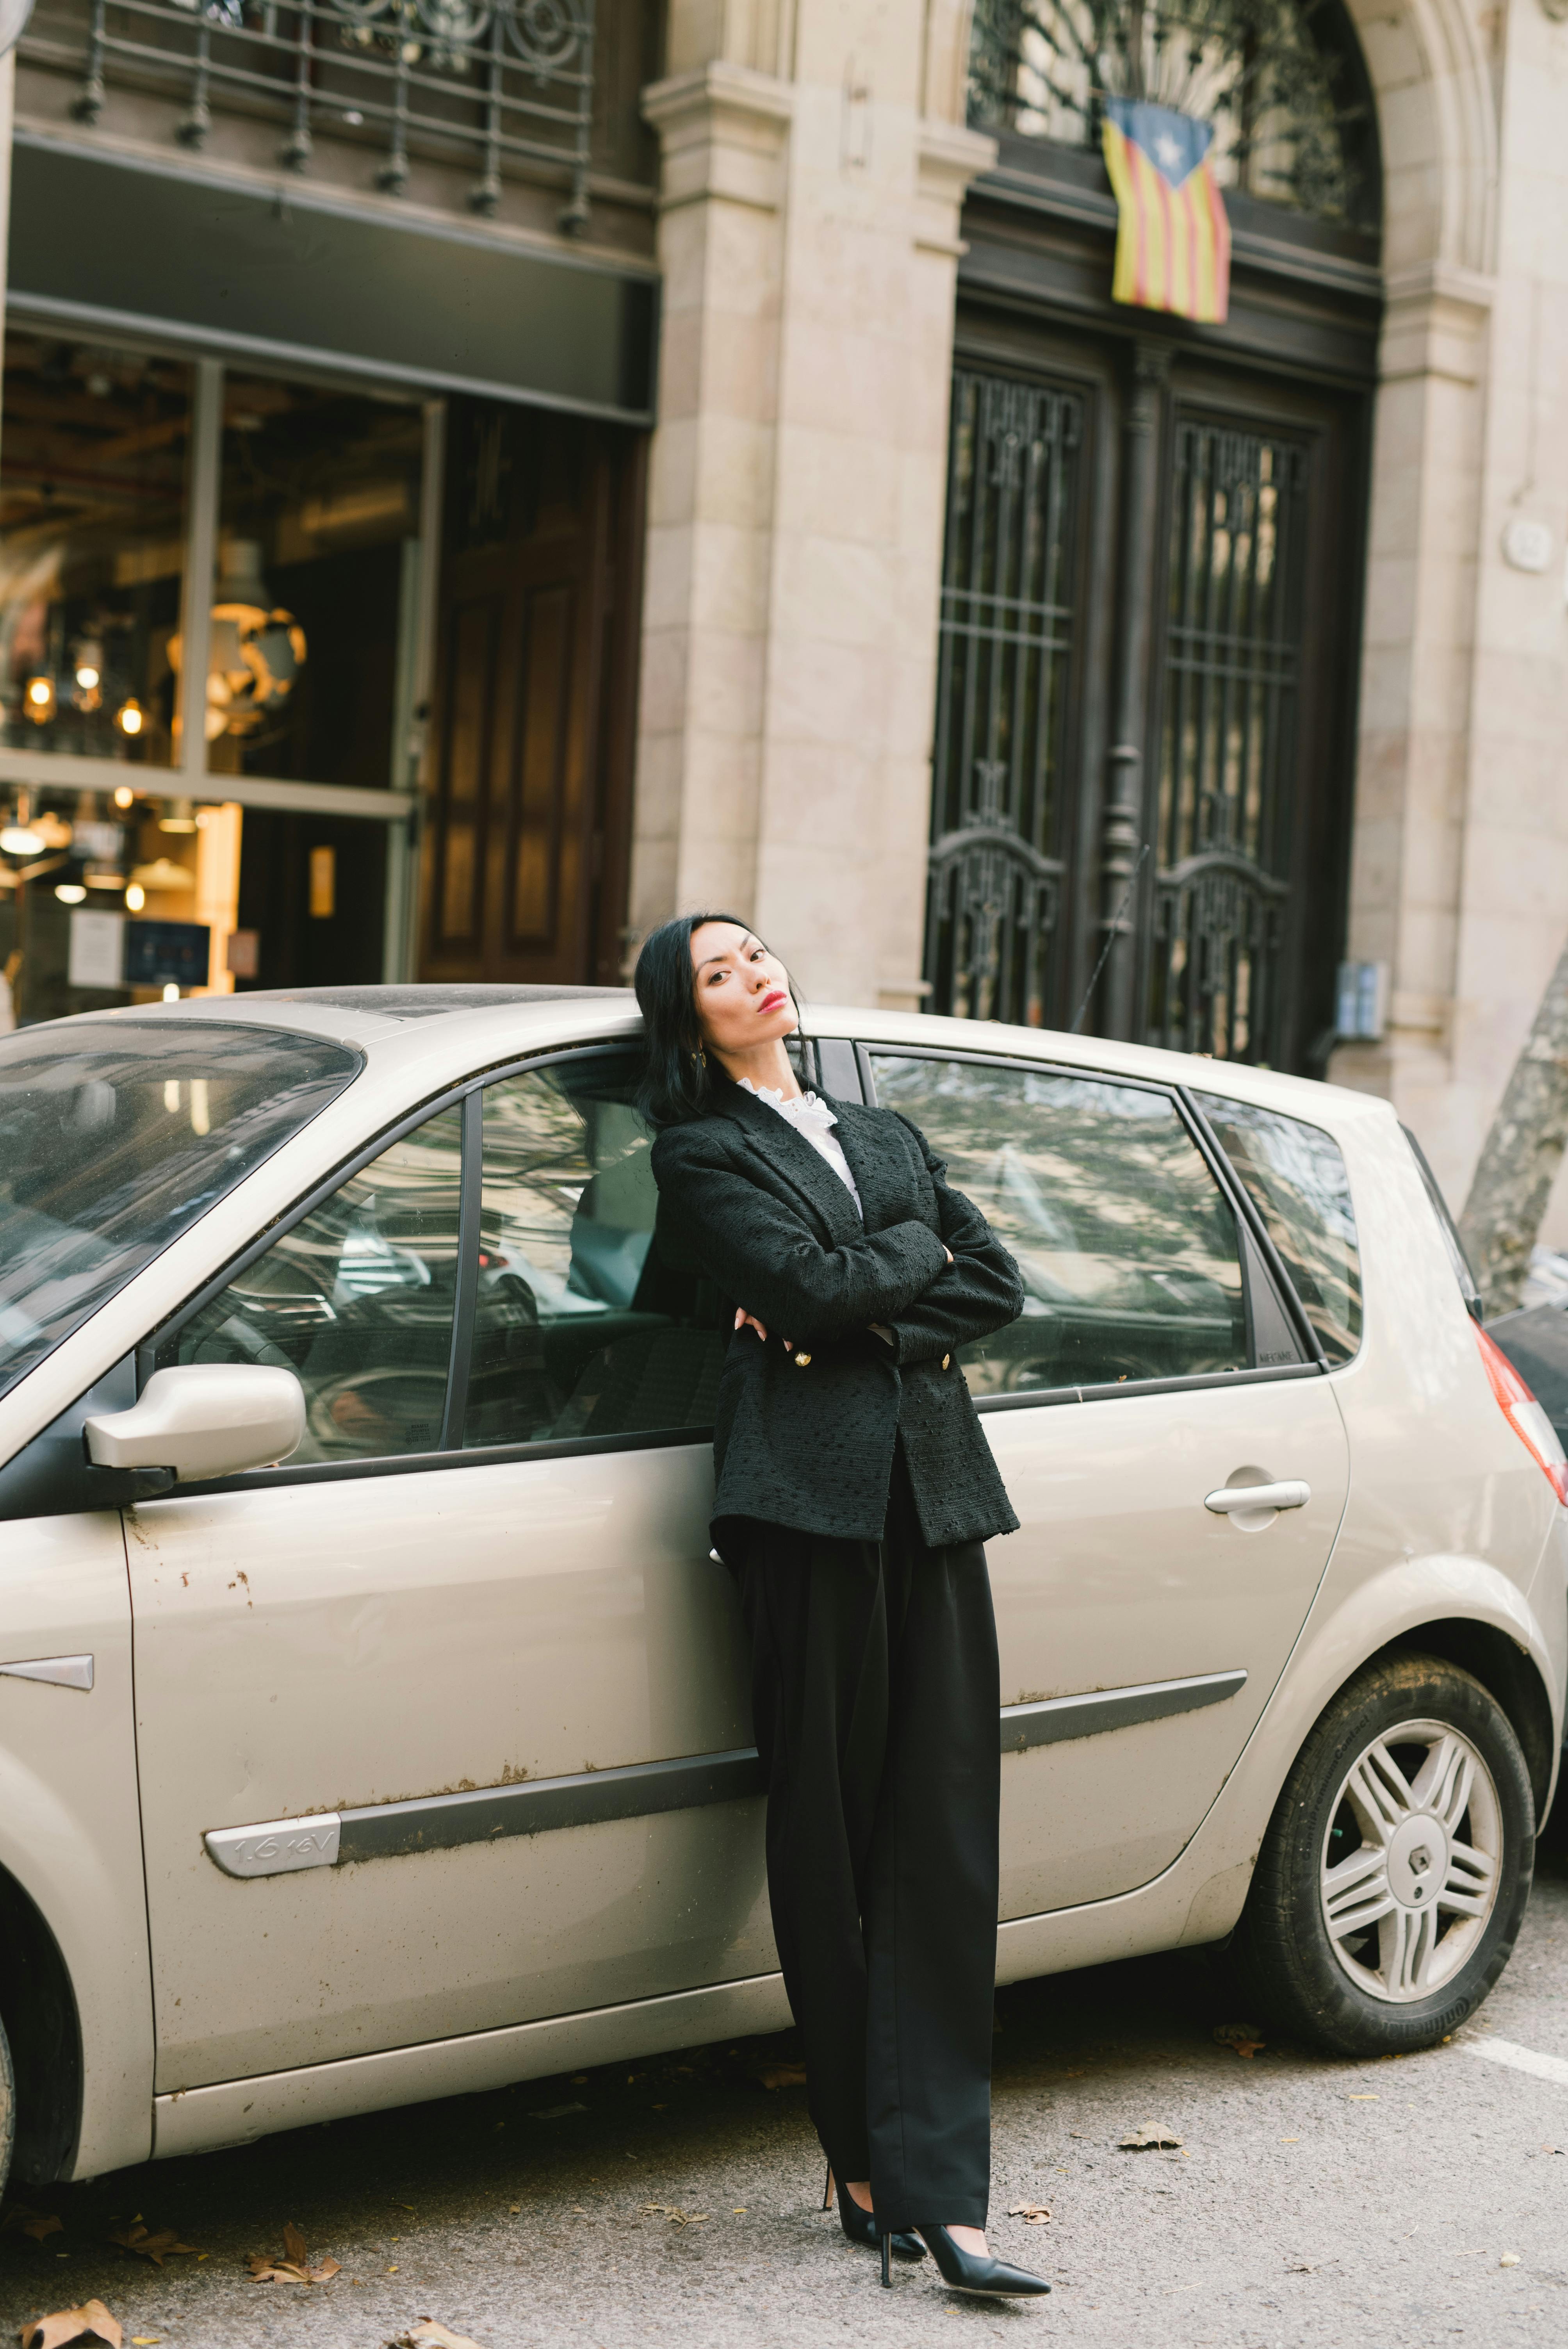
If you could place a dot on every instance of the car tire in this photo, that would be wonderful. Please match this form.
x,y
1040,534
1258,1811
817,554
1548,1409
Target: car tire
x,y
7,2110
1395,1874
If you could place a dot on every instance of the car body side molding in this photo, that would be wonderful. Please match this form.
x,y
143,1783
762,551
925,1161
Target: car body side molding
x,y
1058,1718
639,1790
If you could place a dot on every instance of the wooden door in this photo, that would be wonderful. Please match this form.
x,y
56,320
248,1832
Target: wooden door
x,y
526,844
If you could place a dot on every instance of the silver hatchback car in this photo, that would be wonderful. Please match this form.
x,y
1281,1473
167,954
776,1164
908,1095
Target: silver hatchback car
x,y
372,1717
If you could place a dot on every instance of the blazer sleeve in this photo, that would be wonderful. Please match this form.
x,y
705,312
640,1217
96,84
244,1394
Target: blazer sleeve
x,y
979,1291
764,1254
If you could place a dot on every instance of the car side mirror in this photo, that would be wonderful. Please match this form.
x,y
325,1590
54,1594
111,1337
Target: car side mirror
x,y
202,1420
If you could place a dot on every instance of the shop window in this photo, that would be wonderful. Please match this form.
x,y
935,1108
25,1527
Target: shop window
x,y
313,605
92,544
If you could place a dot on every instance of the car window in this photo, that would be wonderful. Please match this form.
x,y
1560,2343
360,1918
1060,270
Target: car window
x,y
1127,1245
115,1136
580,1329
1298,1184
356,1298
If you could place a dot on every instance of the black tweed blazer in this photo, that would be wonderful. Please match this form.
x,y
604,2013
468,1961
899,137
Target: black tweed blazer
x,y
805,1436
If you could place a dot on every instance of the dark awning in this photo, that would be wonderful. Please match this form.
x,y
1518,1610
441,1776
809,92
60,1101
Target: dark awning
x,y
212,265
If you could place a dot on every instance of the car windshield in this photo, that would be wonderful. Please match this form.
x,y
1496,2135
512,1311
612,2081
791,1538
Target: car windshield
x,y
115,1137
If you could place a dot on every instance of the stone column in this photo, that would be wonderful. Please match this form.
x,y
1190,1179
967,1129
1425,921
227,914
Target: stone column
x,y
809,237
1417,653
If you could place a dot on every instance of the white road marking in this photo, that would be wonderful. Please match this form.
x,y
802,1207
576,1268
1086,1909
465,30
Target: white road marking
x,y
1517,2058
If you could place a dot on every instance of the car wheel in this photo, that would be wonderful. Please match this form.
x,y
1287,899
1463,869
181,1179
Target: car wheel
x,y
7,2110
1396,1869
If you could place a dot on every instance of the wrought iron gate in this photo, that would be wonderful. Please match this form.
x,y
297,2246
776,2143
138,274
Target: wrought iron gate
x,y
1222,821
1003,664
1208,932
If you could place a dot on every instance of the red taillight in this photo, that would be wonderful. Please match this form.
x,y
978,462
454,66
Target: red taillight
x,y
1523,1414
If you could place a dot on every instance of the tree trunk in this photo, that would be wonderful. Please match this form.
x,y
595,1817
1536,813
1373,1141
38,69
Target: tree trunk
x,y
1520,1155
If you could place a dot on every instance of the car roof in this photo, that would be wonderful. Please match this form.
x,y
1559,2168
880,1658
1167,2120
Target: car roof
x,y
432,1002
445,1028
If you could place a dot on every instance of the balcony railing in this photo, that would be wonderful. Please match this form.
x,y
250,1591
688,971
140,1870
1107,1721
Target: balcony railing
x,y
507,85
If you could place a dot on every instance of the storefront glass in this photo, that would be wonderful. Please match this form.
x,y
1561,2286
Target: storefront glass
x,y
313,605
92,535
174,877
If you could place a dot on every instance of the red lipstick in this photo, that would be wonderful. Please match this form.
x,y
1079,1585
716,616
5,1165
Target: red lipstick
x,y
772,1001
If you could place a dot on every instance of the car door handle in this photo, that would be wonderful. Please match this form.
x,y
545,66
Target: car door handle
x,y
1291,1495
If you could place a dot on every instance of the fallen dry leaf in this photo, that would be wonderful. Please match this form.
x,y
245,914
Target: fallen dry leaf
x,y
147,2245
20,2221
551,2112
430,2334
781,2075
1246,2038
673,2212
295,2266
1149,2139
91,2321
1033,2214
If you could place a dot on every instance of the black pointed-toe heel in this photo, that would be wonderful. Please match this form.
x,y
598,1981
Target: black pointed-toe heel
x,y
861,2226
988,2278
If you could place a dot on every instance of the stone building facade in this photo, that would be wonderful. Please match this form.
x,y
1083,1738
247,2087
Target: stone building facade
x,y
830,220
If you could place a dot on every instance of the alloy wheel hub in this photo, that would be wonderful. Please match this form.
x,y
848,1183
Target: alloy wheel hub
x,y
1418,1861
1412,1861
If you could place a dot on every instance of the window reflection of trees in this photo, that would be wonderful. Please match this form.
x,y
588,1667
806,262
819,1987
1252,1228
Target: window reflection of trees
x,y
1127,1248
580,1329
1297,1180
356,1300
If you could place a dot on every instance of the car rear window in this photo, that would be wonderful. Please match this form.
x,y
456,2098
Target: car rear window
x,y
115,1137
1296,1178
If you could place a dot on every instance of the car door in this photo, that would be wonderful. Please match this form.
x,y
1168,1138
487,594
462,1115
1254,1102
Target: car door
x,y
441,1724
1155,1364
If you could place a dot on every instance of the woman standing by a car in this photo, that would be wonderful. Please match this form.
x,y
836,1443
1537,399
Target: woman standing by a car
x,y
854,1488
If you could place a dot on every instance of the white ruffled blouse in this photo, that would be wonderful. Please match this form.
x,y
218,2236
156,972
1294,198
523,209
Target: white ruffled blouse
x,y
814,1122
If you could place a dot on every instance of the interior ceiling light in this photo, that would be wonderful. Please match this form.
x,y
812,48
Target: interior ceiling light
x,y
124,796
163,873
38,699
130,717
70,893
20,837
135,897
178,815
256,649
52,830
103,877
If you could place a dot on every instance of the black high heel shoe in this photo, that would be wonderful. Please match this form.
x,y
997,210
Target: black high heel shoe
x,y
962,2271
861,2228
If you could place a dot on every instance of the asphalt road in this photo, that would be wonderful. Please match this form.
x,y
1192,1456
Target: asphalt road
x,y
1415,2201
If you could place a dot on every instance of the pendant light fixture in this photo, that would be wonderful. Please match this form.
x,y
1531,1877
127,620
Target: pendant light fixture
x,y
256,649
19,836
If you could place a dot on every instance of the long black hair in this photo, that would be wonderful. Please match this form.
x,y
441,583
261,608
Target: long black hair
x,y
681,1080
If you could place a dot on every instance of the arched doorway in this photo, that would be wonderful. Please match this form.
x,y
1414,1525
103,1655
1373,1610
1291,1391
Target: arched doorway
x,y
1144,740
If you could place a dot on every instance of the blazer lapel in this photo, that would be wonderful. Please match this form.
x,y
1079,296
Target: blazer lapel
x,y
878,1161
790,1155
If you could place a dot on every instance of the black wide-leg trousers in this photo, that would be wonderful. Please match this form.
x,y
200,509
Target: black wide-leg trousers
x,y
875,1690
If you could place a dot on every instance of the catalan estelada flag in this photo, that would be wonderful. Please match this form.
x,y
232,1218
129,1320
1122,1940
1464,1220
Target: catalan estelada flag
x,y
1172,238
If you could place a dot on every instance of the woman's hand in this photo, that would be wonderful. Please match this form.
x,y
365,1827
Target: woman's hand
x,y
743,1321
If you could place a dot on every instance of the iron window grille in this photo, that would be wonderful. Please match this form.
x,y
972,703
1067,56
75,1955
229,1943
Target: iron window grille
x,y
1281,81
1225,793
505,84
1003,655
